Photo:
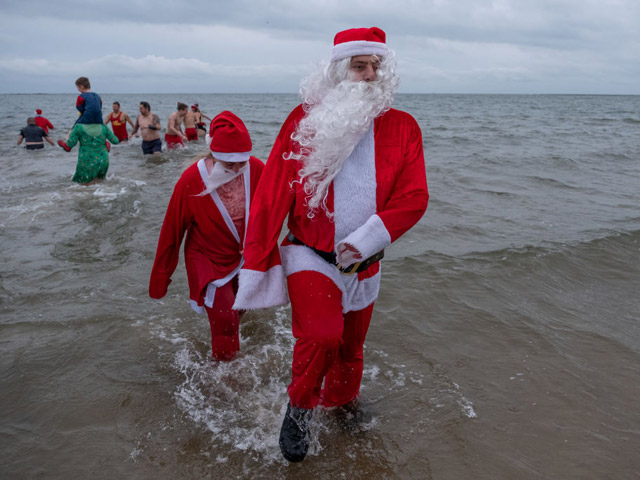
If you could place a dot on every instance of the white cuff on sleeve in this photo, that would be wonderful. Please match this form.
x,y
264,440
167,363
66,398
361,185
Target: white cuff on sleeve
x,y
261,289
369,239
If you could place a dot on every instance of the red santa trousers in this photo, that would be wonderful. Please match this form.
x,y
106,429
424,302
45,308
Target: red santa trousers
x,y
224,322
328,343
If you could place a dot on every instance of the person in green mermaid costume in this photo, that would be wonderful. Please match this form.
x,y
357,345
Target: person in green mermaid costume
x,y
93,155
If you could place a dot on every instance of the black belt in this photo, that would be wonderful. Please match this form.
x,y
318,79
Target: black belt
x,y
330,257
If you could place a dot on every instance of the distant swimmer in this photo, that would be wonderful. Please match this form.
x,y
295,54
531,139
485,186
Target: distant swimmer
x,y
33,135
174,135
201,126
119,121
43,122
149,125
190,126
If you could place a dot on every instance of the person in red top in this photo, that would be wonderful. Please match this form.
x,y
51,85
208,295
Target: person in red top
x,y
211,204
349,173
119,121
42,122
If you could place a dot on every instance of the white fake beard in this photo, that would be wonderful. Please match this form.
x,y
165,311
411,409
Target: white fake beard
x,y
220,175
331,130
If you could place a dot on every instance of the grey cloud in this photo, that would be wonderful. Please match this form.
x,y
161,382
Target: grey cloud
x,y
469,45
530,23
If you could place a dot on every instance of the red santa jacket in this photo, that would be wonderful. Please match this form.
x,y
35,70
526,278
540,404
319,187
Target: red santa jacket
x,y
44,123
212,249
401,198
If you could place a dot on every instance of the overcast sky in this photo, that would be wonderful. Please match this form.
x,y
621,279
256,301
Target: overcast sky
x,y
212,46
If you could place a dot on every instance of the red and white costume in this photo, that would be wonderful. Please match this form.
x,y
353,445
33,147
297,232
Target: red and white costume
x,y
379,194
43,122
212,246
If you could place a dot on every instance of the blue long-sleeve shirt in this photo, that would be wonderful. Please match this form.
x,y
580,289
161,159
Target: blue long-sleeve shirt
x,y
89,105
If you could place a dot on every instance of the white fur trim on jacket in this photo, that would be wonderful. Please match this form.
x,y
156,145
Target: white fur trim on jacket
x,y
356,294
360,47
210,295
232,156
354,188
261,289
369,239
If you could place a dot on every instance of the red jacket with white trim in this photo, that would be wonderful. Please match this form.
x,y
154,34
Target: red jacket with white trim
x,y
401,200
211,249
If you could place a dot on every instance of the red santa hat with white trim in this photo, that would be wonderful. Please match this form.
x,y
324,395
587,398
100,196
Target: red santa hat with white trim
x,y
359,41
229,139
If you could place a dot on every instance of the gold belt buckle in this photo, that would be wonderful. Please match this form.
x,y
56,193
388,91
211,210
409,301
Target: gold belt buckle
x,y
350,270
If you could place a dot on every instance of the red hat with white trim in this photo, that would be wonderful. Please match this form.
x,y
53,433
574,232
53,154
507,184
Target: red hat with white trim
x,y
230,140
359,41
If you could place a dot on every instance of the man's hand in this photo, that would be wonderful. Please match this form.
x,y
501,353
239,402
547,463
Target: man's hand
x,y
347,254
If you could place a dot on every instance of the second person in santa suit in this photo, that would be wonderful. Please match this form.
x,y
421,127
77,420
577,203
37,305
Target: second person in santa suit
x,y
210,204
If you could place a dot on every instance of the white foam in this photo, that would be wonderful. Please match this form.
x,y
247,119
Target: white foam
x,y
467,408
108,193
42,204
135,453
240,402
465,404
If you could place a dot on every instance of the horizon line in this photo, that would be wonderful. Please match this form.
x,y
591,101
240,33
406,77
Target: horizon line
x,y
296,93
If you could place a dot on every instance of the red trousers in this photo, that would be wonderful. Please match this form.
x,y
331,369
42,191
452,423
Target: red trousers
x,y
191,133
328,343
224,322
173,141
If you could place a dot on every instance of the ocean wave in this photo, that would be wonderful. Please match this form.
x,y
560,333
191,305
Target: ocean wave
x,y
604,242
607,250
552,182
494,192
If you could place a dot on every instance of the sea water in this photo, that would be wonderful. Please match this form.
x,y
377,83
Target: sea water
x,y
505,343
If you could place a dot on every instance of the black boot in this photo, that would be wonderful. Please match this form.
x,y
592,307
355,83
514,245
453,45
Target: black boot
x,y
352,417
294,438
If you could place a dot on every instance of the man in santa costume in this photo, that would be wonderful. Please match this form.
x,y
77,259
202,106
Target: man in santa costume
x,y
43,122
349,172
211,203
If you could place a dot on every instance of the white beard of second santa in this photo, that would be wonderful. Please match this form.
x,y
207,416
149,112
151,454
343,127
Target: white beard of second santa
x,y
220,175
